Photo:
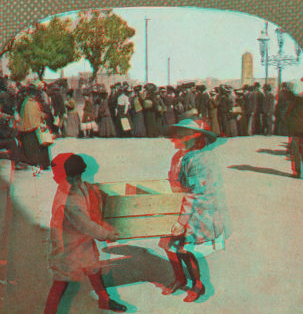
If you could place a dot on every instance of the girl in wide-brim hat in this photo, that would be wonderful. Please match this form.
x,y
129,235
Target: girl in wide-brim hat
x,y
194,127
194,172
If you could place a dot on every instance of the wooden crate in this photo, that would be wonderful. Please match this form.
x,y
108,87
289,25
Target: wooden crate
x,y
141,209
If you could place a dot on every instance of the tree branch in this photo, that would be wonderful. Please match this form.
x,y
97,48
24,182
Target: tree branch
x,y
7,47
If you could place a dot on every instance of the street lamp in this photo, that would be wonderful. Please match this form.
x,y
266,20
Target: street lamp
x,y
263,40
280,60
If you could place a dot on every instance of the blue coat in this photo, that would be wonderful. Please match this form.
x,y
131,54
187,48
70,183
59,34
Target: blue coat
x,y
204,200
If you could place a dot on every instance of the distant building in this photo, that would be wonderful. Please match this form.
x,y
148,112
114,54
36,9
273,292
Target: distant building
x,y
102,78
247,69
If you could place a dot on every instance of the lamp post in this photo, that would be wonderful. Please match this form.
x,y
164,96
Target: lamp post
x,y
280,60
263,40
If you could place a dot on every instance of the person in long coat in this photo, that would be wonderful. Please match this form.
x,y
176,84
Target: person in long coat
x,y
258,108
57,103
250,103
71,124
178,106
232,129
76,223
222,110
89,114
195,172
213,112
281,110
269,110
136,104
243,103
149,105
161,110
32,118
106,127
202,101
187,97
169,101
124,129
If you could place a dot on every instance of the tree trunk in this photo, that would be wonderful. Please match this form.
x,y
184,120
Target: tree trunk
x,y
40,74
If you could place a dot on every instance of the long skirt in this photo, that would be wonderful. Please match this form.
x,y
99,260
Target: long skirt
x,y
71,125
169,116
34,153
151,124
139,125
214,122
106,127
232,127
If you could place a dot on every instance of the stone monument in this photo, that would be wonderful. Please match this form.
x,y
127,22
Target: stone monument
x,y
247,69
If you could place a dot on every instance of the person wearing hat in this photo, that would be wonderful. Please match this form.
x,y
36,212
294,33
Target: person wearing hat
x,y
249,105
89,115
258,108
149,109
161,111
201,101
213,112
242,99
106,127
194,171
221,109
269,110
76,223
32,118
169,101
282,108
234,112
178,106
55,94
136,105
188,96
225,101
112,103
71,124
122,119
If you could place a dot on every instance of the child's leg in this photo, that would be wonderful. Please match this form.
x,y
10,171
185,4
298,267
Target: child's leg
x,y
54,296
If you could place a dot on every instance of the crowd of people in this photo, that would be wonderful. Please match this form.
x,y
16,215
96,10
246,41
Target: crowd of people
x,y
148,111
139,111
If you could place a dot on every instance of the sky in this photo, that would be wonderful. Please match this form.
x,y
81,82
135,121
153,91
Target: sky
x,y
200,43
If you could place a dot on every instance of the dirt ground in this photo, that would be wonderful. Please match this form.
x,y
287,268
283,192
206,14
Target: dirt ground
x,y
259,272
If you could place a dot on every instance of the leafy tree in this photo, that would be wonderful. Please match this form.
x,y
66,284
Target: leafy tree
x,y
18,65
119,48
7,47
103,39
49,46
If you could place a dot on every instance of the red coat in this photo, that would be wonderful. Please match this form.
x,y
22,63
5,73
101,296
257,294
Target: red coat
x,y
75,224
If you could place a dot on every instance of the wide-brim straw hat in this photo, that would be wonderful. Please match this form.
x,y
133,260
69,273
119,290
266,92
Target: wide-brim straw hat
x,y
199,126
138,88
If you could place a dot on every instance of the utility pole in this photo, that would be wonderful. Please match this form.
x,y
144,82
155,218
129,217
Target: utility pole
x,y
266,61
168,71
146,49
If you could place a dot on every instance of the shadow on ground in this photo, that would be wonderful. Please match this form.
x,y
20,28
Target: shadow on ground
x,y
142,266
30,279
275,152
261,170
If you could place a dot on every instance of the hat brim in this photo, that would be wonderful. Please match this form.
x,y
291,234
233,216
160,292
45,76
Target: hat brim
x,y
173,129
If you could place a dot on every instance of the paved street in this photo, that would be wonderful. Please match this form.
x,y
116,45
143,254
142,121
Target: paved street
x,y
259,272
